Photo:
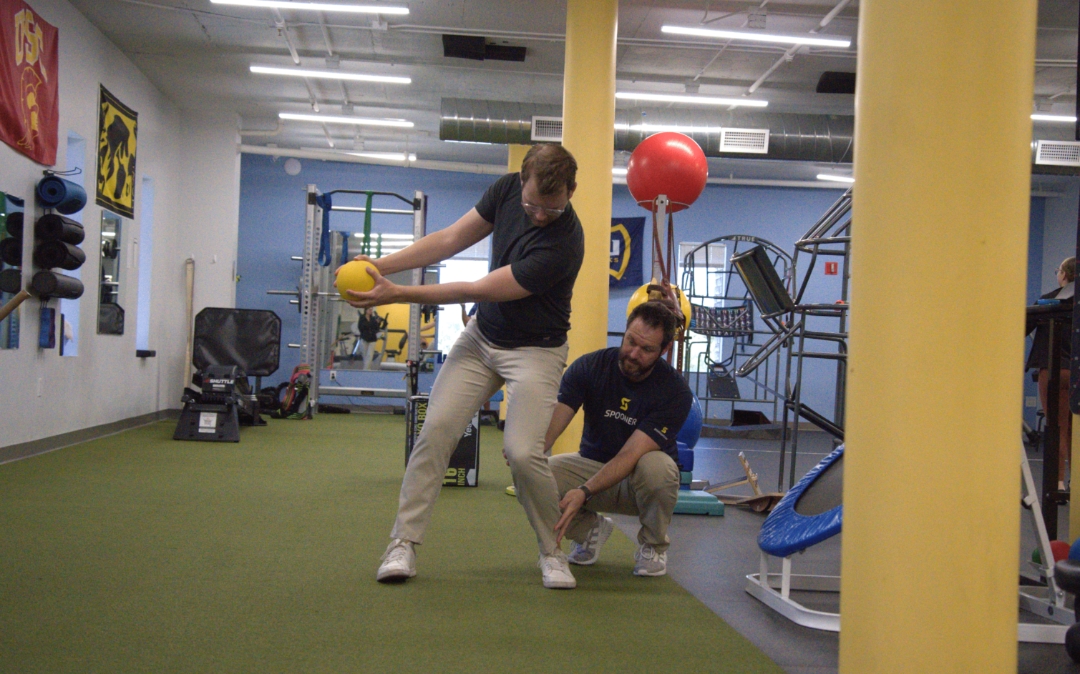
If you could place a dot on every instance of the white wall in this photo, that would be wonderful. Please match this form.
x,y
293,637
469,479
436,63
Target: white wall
x,y
194,164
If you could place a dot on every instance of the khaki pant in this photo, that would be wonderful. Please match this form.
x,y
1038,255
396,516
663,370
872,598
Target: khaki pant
x,y
473,371
650,492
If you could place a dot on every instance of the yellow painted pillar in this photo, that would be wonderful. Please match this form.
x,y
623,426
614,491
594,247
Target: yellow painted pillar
x,y
515,157
939,256
589,133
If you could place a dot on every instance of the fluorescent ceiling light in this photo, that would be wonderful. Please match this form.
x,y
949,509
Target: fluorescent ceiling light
x,y
618,171
359,121
1053,118
700,100
754,36
389,156
682,128
835,179
330,75
315,6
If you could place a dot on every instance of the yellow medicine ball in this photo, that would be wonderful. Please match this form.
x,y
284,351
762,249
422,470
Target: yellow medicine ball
x,y
642,295
353,275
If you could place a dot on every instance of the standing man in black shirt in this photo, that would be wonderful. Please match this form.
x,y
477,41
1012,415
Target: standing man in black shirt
x,y
635,404
518,338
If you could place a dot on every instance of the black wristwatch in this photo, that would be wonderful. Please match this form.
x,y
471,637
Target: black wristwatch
x,y
588,492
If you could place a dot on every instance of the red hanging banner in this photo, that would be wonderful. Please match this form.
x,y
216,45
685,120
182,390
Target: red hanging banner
x,y
29,82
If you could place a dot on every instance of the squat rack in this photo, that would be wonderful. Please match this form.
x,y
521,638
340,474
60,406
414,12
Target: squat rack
x,y
316,289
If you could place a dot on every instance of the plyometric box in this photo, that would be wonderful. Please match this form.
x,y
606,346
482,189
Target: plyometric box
x,y
464,470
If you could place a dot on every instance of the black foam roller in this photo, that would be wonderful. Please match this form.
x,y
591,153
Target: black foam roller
x,y
15,224
51,284
11,252
58,228
50,254
10,281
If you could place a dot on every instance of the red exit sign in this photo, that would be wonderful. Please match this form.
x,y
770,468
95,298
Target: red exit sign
x,y
832,268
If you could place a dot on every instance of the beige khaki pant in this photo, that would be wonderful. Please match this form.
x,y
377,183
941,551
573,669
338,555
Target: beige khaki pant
x,y
650,492
474,370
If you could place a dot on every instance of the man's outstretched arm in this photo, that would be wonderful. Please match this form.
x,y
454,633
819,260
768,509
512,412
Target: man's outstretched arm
x,y
638,445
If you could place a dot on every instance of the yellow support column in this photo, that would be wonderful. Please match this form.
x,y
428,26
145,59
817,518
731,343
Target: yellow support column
x,y
515,157
589,133
931,481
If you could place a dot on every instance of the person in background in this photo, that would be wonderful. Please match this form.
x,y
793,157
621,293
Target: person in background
x,y
1039,359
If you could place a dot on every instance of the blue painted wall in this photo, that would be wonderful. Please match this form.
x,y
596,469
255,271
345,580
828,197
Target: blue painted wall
x,y
272,212
272,221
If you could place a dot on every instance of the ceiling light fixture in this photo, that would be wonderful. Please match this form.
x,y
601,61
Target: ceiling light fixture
x,y
682,128
835,179
389,156
698,100
358,121
811,41
330,75
1053,118
315,6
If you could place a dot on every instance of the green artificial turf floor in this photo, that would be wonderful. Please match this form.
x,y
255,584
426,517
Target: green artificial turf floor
x,y
136,553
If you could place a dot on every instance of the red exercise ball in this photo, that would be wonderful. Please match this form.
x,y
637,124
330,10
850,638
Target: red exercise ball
x,y
667,163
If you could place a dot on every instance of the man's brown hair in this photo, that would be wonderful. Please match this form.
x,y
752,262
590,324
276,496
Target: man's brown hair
x,y
656,314
553,166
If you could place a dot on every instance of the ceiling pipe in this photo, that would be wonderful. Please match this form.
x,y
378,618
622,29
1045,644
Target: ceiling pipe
x,y
796,137
495,169
794,49
283,30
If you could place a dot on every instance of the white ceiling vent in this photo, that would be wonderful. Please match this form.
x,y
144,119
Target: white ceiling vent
x,y
751,141
547,129
1058,153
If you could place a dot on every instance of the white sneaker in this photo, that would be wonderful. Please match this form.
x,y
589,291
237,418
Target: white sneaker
x,y
398,562
587,552
649,562
556,571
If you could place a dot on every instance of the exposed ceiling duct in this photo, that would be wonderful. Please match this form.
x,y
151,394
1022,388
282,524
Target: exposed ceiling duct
x,y
819,138
791,137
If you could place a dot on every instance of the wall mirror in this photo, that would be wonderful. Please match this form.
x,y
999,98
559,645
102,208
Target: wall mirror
x,y
11,245
110,313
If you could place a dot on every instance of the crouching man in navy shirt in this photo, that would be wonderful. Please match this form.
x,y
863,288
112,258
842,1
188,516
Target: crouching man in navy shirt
x,y
635,404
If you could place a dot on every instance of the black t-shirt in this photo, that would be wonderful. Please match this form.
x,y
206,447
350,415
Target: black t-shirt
x,y
615,407
370,326
544,260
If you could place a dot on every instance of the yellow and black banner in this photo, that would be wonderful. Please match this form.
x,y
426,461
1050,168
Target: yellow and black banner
x,y
117,126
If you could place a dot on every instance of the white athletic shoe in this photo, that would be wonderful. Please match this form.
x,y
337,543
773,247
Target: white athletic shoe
x,y
398,562
649,562
556,571
587,552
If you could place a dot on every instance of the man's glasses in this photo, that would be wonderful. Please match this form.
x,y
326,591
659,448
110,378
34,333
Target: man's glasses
x,y
534,210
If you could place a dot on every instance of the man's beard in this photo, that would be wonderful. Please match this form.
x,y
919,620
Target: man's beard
x,y
632,370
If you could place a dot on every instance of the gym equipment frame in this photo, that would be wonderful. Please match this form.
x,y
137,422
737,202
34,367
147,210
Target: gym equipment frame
x,y
316,289
1047,602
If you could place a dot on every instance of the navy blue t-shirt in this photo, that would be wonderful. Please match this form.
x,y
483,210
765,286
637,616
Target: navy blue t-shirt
x,y
615,407
544,260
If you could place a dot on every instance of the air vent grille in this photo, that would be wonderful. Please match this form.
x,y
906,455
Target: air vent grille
x,y
1058,153
547,129
751,141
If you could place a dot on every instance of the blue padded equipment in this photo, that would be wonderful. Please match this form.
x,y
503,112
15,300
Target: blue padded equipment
x,y
690,432
787,531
